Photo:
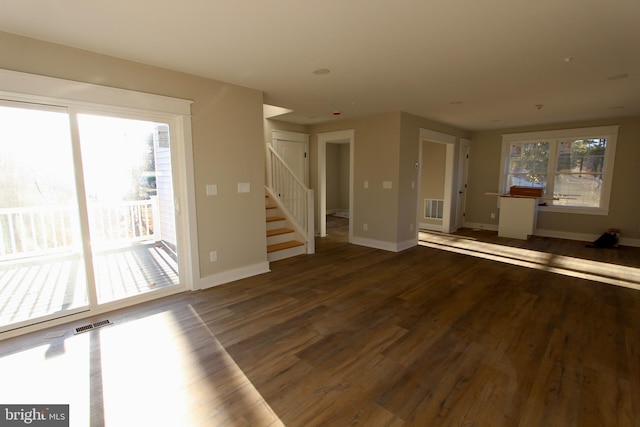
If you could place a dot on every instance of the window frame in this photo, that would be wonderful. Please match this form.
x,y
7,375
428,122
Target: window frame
x,y
553,137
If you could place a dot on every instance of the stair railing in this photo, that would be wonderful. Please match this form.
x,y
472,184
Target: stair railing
x,y
292,196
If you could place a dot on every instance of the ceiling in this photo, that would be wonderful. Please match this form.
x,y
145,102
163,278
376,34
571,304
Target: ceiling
x,y
467,63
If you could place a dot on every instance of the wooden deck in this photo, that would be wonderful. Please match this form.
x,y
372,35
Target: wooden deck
x,y
359,336
40,286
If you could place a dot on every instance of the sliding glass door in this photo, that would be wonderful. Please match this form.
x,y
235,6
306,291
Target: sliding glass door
x,y
129,193
87,212
42,268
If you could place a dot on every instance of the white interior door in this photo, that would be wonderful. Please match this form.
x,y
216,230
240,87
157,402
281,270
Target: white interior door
x,y
293,148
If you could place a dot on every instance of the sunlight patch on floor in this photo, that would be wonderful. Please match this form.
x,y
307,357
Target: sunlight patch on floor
x,y
612,274
56,372
152,374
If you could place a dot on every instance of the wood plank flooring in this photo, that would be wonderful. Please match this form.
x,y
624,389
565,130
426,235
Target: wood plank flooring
x,y
358,336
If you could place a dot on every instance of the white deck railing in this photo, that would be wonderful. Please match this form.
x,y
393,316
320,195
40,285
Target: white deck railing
x,y
40,230
294,198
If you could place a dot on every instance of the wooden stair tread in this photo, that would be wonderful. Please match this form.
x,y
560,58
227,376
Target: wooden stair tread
x,y
275,218
283,245
279,231
271,207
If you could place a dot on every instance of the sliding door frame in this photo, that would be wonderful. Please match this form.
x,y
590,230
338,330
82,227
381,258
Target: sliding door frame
x,y
81,98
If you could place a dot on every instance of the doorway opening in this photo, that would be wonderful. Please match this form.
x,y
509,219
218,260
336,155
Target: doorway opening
x,y
335,178
436,182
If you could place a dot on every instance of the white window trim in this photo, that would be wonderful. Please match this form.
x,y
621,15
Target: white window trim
x,y
608,132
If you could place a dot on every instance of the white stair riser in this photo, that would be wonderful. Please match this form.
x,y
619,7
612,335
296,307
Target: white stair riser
x,y
286,253
274,225
272,212
280,238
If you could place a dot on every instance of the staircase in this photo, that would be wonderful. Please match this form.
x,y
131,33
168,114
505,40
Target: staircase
x,y
282,240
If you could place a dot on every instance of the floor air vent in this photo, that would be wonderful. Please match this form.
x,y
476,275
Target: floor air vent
x,y
92,326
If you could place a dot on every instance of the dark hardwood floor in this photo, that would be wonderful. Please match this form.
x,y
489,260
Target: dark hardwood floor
x,y
359,336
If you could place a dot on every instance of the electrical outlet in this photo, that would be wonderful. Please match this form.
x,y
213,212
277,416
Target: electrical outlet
x,y
213,256
365,227
493,215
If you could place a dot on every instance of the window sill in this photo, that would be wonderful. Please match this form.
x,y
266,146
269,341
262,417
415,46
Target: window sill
x,y
574,210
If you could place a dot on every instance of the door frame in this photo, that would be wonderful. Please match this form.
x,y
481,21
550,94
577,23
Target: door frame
x,y
343,136
463,173
88,98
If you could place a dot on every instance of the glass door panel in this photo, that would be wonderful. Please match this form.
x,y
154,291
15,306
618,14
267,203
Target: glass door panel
x,y
42,270
129,191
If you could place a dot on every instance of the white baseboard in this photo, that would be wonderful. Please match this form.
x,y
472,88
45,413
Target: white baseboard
x,y
430,227
385,246
233,275
407,244
481,226
343,213
630,242
581,237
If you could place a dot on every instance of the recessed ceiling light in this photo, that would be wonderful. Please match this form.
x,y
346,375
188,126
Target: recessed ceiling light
x,y
336,113
321,71
618,76
567,59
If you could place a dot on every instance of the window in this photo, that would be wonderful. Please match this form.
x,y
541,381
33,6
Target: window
x,y
574,167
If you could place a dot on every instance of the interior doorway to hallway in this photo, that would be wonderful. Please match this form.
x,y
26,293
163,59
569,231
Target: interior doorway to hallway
x,y
335,178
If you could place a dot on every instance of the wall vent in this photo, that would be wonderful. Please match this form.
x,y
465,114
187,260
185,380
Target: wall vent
x,y
92,326
433,208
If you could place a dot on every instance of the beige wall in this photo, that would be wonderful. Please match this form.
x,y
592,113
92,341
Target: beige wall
x,y
433,166
376,154
344,160
227,140
432,179
337,177
484,170
386,149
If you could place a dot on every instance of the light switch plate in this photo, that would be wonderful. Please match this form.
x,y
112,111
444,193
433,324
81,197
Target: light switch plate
x,y
386,184
212,190
244,187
